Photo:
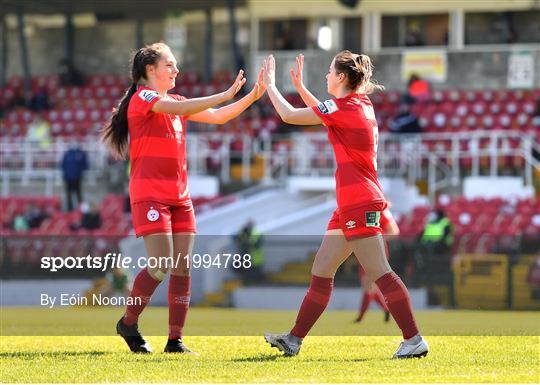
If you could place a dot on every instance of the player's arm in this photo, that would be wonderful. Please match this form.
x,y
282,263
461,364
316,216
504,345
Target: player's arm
x,y
224,114
288,113
296,76
195,105
391,228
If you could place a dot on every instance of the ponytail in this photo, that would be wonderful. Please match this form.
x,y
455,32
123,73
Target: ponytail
x,y
365,66
115,131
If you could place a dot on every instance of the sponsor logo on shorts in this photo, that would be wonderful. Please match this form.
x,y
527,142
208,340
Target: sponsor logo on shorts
x,y
152,215
373,218
351,224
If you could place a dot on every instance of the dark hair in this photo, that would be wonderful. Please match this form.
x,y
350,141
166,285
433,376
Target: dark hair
x,y
358,70
115,131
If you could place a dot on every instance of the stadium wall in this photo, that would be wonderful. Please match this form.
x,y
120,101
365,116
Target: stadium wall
x,y
106,46
329,8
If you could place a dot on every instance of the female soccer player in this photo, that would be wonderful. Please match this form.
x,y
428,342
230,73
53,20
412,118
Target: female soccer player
x,y
162,211
388,224
354,226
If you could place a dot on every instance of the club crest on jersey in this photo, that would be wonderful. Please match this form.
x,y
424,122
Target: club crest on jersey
x,y
327,107
148,95
351,224
152,215
373,218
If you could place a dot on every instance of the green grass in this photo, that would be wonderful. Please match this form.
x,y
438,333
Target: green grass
x,y
477,352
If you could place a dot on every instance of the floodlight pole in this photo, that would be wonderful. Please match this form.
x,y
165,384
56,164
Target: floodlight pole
x,y
139,32
208,46
68,38
234,43
24,49
3,41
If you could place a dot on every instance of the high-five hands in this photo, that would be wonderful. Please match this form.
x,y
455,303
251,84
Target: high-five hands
x,y
269,71
236,86
296,75
259,88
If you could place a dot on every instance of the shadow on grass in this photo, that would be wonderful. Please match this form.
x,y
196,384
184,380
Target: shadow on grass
x,y
273,357
32,355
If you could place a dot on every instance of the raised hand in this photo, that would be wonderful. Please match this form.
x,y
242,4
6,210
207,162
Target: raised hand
x,y
296,75
259,88
238,83
269,75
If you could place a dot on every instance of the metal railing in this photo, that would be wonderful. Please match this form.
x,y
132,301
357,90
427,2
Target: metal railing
x,y
439,158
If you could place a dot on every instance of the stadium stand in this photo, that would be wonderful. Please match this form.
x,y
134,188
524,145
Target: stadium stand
x,y
80,111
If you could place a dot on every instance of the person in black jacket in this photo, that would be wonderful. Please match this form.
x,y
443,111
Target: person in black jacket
x,y
405,122
73,165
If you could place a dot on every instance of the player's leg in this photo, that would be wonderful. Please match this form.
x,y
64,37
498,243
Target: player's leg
x,y
367,294
179,293
331,254
371,254
377,296
158,247
152,221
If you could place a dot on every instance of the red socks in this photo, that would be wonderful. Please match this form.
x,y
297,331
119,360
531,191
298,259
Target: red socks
x,y
378,297
399,304
143,288
315,301
366,300
179,296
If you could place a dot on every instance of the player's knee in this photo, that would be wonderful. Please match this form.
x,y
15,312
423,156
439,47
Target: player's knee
x,y
158,274
325,271
181,271
377,272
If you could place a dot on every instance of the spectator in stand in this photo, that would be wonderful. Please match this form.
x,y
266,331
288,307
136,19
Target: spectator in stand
x,y
91,218
39,131
249,242
438,232
21,99
405,122
434,257
418,90
536,118
74,163
533,278
117,283
20,223
69,75
34,216
40,100
414,37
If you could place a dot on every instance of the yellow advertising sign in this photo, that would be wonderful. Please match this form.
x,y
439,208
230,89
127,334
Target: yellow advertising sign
x,y
430,65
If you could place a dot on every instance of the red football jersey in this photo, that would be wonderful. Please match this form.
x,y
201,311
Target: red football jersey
x,y
353,133
157,151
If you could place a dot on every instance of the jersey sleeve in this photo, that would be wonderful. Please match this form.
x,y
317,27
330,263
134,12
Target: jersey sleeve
x,y
329,112
145,100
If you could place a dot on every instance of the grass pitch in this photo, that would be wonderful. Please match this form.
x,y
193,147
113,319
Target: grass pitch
x,y
470,355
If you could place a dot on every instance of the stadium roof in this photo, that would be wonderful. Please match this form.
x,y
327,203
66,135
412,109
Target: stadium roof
x,y
148,9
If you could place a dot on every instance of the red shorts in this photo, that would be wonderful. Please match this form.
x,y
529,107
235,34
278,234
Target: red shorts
x,y
154,218
361,222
